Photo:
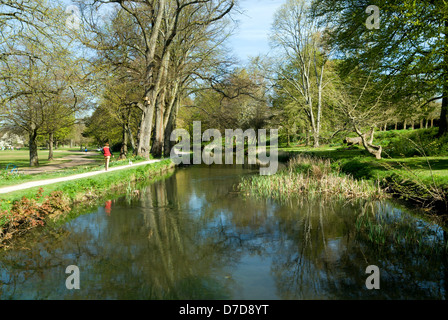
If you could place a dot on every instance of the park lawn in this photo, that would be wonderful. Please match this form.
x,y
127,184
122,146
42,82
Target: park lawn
x,y
14,179
20,158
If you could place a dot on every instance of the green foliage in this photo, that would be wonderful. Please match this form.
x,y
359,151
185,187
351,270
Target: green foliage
x,y
357,168
410,143
407,53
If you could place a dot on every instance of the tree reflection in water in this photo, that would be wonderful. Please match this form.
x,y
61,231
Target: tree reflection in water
x,y
191,236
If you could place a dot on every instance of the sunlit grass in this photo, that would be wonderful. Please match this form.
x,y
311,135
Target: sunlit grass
x,y
20,158
423,179
8,179
93,186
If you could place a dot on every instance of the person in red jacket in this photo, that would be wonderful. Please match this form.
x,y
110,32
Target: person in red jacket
x,y
107,154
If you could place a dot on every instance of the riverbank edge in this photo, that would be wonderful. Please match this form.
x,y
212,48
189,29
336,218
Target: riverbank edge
x,y
412,192
66,172
84,190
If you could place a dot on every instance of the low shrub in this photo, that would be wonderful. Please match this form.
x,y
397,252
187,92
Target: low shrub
x,y
357,168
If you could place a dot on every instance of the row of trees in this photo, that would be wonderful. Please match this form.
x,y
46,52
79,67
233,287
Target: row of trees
x,y
136,60
330,72
42,79
144,67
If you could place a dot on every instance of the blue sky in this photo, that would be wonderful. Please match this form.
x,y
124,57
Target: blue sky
x,y
251,37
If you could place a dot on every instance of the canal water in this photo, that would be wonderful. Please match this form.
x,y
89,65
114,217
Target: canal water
x,y
193,236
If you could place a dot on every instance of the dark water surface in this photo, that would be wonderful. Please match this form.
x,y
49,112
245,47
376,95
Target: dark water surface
x,y
191,236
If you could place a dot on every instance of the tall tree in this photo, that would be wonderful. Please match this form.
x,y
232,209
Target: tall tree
x,y
362,106
409,45
37,65
302,61
155,25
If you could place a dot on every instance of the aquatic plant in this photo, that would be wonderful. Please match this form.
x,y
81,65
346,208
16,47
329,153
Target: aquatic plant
x,y
387,229
311,176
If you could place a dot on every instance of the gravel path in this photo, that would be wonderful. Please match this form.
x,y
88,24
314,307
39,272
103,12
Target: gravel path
x,y
77,159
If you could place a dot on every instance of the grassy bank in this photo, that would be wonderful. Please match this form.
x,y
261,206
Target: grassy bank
x,y
8,179
21,211
420,180
414,165
310,176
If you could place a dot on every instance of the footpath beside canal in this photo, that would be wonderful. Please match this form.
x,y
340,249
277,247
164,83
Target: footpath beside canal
x,y
26,206
40,183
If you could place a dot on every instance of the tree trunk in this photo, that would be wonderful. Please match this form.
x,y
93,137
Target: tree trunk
x,y
139,129
161,105
404,124
307,137
170,126
157,145
412,125
396,125
432,122
131,139
50,146
316,139
426,124
421,123
443,123
151,90
319,80
367,143
124,143
144,139
34,159
385,126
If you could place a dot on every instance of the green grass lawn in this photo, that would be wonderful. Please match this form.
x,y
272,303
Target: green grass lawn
x,y
13,179
20,158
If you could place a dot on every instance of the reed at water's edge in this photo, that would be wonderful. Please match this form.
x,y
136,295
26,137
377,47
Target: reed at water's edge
x,y
308,175
311,177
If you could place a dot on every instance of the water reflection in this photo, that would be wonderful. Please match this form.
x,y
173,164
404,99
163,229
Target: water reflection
x,y
191,236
